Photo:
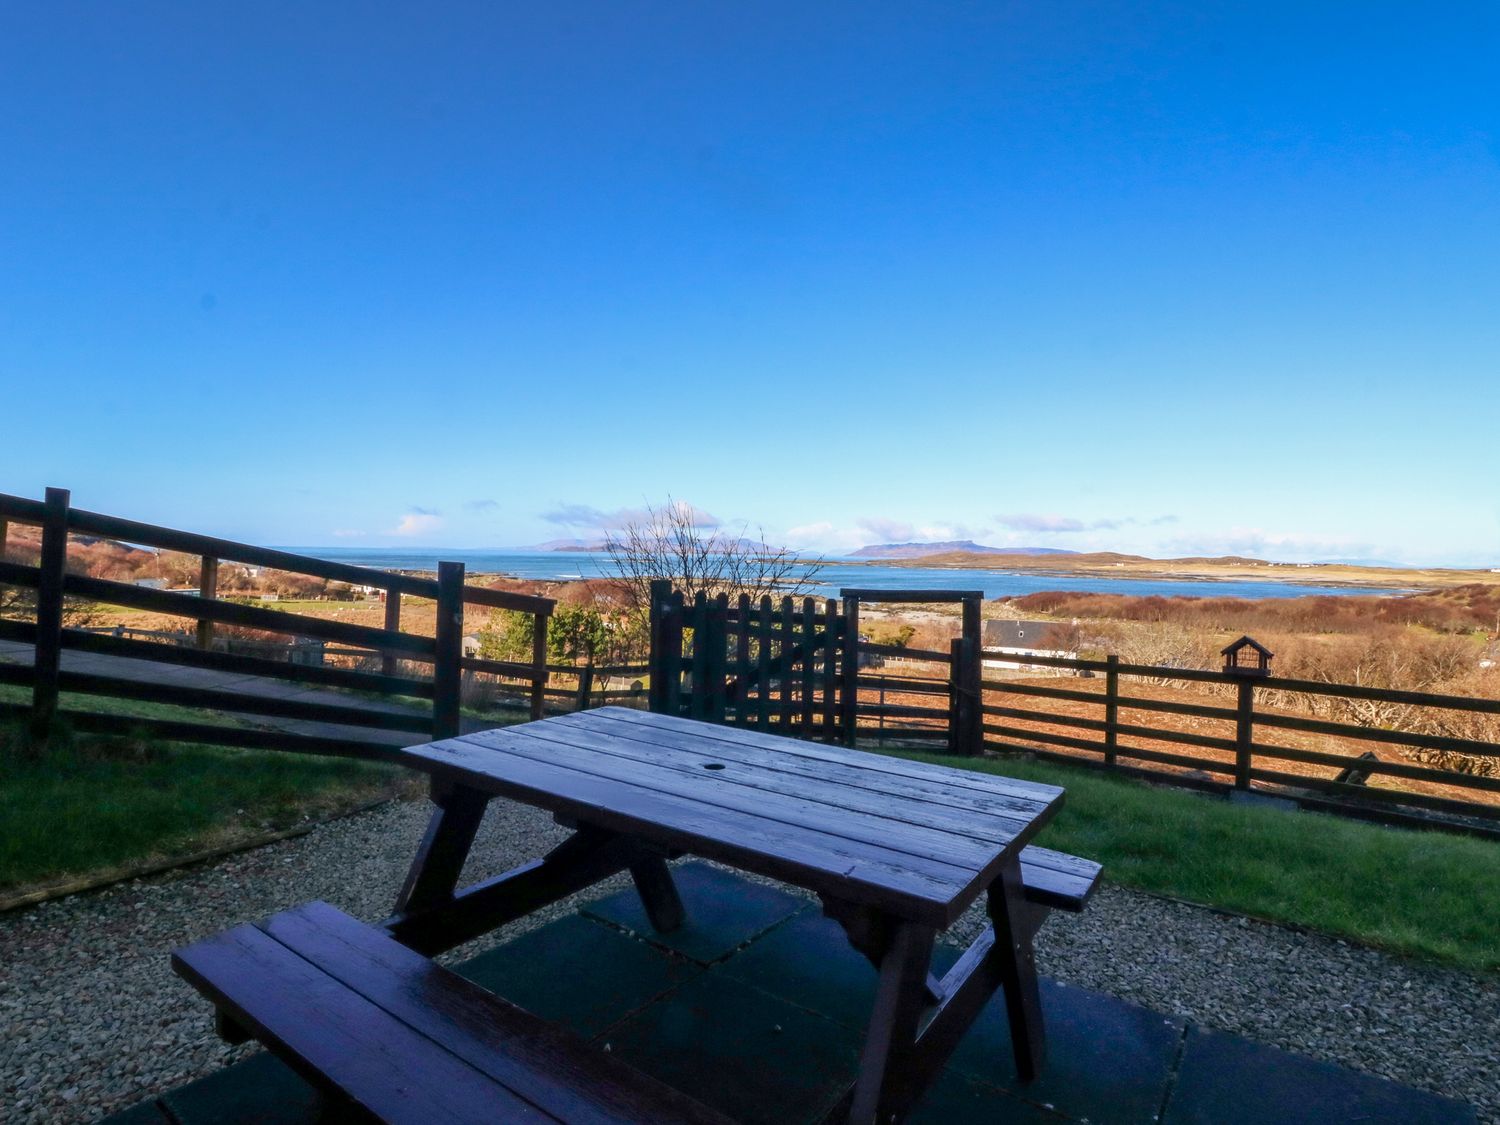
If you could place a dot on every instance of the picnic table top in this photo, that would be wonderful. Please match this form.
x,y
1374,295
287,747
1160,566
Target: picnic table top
x,y
918,840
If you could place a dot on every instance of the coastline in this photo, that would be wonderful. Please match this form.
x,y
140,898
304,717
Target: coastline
x,y
1395,581
1015,574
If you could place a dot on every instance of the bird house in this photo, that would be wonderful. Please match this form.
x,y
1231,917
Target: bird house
x,y
1247,657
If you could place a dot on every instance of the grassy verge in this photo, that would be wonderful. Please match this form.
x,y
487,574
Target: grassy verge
x,y
1427,893
95,805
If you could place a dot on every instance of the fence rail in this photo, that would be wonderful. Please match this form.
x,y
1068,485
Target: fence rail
x,y
740,663
428,671
1234,750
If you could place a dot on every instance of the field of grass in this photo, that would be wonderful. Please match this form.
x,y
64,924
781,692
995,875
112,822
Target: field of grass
x,y
93,804
1426,893
74,813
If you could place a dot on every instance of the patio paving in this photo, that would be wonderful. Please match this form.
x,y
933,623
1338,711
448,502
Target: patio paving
x,y
757,1005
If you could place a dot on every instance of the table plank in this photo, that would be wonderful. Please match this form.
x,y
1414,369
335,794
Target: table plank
x,y
919,800
923,890
957,780
767,785
597,755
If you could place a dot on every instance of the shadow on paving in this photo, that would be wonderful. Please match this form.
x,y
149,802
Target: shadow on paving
x,y
757,1005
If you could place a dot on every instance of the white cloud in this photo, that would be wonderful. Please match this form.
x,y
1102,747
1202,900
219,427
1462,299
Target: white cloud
x,y
417,522
819,535
1050,524
588,516
1294,546
888,530
348,533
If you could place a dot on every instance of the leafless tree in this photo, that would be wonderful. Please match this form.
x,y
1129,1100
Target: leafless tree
x,y
672,542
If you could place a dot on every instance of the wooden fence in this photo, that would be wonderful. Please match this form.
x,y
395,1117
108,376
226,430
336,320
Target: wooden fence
x,y
1142,720
787,667
428,671
590,685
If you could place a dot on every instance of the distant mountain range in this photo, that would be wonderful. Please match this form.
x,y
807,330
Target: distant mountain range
x,y
583,545
949,546
568,545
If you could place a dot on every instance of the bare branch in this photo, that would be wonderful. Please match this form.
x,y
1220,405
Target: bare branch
x,y
668,543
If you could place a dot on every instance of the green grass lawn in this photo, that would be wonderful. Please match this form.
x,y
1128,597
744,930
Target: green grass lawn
x,y
76,812
1433,894
93,805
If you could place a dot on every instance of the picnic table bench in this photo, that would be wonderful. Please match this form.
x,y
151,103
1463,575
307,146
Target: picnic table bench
x,y
895,850
383,1030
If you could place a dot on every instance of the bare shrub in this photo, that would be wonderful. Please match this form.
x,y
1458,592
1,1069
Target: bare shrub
x,y
476,691
1163,646
672,542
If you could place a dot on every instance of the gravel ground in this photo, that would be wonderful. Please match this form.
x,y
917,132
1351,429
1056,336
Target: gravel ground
x,y
92,1018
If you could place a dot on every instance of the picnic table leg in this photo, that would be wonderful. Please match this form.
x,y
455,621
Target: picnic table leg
x,y
443,921
653,882
887,1084
1015,925
440,857
869,932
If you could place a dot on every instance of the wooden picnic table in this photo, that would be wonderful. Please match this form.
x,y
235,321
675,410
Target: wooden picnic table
x,y
896,851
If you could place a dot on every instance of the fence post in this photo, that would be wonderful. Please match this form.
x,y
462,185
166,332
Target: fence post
x,y
1111,709
392,625
831,621
697,671
808,645
208,587
974,697
585,686
446,668
850,701
539,664
673,616
965,717
1244,722
659,591
716,658
955,696
47,655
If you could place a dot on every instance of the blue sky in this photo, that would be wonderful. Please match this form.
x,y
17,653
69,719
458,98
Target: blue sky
x,y
1170,278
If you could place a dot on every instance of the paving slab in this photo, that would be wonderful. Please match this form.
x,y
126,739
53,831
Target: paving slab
x,y
754,1056
1106,1060
142,1113
1226,1080
762,1010
724,912
808,961
261,1090
956,1099
579,972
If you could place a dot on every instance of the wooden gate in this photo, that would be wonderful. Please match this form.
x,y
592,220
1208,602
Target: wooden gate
x,y
771,666
793,667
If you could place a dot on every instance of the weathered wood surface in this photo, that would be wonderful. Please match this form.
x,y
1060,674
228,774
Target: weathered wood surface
x,y
895,849
664,780
384,1029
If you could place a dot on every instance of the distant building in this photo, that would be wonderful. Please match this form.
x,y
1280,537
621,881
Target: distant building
x,y
1023,638
1018,636
152,583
